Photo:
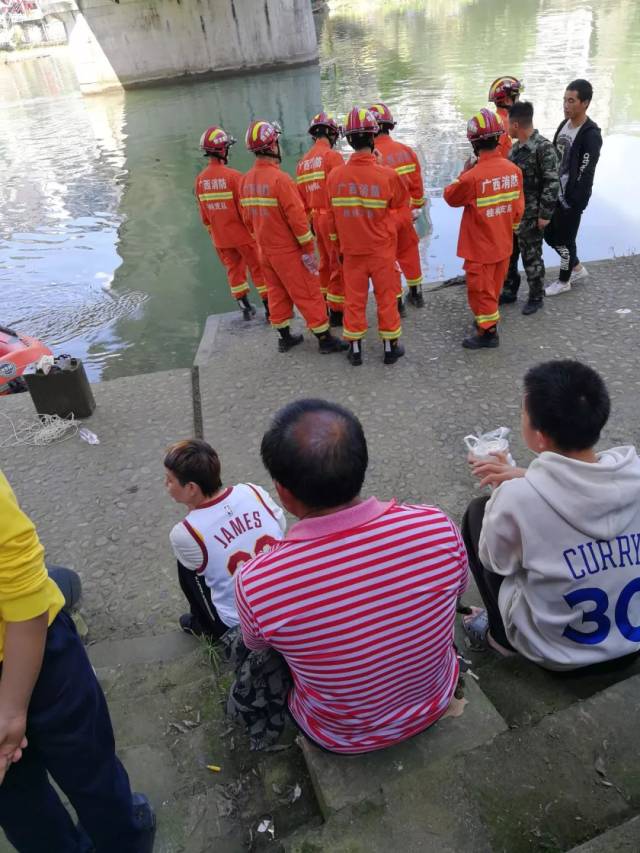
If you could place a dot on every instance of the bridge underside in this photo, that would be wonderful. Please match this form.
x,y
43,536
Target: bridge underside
x,y
129,43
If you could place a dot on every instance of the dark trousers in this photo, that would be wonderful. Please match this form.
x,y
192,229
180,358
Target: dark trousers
x,y
488,583
70,736
205,619
528,243
561,235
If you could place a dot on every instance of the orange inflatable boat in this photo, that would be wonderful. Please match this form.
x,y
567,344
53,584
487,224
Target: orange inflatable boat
x,y
17,352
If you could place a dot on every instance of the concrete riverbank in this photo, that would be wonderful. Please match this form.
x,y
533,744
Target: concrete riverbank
x,y
102,510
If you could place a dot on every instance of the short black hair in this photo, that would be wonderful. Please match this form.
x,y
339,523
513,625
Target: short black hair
x,y
194,461
316,450
522,111
487,144
568,402
583,88
360,141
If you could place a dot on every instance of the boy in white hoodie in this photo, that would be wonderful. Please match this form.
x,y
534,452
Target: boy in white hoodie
x,y
555,550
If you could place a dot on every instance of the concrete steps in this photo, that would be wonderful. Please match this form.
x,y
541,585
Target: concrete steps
x,y
621,839
545,787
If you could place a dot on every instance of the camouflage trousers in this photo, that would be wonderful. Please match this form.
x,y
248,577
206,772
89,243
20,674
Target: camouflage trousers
x,y
528,244
258,695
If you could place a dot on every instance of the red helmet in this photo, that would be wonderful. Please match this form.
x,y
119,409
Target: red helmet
x,y
360,121
261,135
505,87
327,120
215,140
484,125
382,114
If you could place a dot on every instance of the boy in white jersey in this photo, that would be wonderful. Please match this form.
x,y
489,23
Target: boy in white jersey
x,y
224,529
556,550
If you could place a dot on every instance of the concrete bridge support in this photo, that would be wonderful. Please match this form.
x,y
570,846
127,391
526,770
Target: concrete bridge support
x,y
132,43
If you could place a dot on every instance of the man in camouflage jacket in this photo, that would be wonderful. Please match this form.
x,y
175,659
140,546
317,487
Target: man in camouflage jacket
x,y
537,158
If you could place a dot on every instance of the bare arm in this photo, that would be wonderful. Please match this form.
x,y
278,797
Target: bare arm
x,y
23,652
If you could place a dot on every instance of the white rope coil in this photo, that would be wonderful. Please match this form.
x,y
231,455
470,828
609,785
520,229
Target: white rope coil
x,y
38,431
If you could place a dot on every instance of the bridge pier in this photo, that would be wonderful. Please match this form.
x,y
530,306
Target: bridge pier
x,y
130,43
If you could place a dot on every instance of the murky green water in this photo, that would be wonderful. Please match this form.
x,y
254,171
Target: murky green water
x,y
101,250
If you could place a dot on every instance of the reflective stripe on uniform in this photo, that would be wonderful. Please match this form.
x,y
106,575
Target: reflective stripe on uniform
x,y
261,288
416,202
282,325
333,238
310,176
488,318
259,201
359,201
304,238
320,330
390,336
240,288
353,336
406,170
488,200
223,196
331,297
412,282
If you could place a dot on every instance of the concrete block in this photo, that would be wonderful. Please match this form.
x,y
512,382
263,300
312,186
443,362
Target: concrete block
x,y
561,782
621,839
344,780
162,648
524,693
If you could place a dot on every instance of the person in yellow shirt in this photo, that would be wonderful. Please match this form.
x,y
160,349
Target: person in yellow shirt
x,y
54,717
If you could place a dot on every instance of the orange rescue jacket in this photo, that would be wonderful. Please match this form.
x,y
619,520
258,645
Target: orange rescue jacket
x,y
362,194
273,211
216,189
493,200
311,174
405,161
505,142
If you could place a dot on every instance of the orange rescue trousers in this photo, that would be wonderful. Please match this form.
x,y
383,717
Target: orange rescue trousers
x,y
290,283
408,252
236,262
331,282
357,270
484,283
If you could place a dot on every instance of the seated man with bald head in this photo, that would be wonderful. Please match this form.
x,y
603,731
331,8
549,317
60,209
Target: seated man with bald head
x,y
359,597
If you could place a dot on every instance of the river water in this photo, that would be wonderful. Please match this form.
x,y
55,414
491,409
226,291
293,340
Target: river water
x,y
101,249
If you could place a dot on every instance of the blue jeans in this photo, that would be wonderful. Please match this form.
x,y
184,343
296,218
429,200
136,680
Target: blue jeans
x,y
70,736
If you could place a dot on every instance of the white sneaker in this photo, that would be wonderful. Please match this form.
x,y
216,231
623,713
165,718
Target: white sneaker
x,y
579,275
557,288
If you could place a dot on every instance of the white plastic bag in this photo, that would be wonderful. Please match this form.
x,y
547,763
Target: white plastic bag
x,y
483,445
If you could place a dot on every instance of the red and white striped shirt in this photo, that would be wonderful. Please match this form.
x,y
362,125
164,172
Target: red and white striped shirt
x,y
361,603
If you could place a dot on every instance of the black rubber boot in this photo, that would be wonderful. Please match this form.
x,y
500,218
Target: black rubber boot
x,y
328,344
355,353
335,318
415,296
248,311
487,340
507,297
402,308
532,305
393,350
287,340
265,305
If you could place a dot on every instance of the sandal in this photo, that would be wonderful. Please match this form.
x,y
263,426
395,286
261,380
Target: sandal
x,y
476,627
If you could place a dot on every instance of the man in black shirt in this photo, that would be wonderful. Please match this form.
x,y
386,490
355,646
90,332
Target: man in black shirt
x,y
578,142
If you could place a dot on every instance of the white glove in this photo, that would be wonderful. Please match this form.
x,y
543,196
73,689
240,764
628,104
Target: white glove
x,y
311,263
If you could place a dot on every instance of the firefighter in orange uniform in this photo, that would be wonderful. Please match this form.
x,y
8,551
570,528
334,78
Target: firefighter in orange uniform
x,y
504,92
311,177
405,161
274,213
363,196
217,192
492,196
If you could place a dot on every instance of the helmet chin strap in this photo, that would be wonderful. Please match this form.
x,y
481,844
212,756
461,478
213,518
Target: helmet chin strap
x,y
277,154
